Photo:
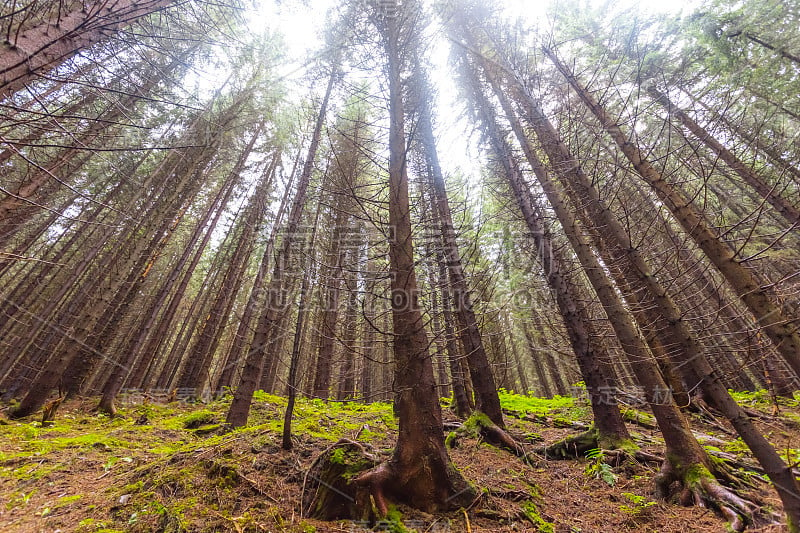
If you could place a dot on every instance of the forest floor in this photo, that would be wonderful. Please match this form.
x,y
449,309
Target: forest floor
x,y
171,468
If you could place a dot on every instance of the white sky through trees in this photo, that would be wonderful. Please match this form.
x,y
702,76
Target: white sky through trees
x,y
301,24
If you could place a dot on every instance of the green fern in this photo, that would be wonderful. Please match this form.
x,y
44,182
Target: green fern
x,y
598,468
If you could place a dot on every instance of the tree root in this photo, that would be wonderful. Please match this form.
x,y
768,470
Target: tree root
x,y
424,487
479,425
348,481
107,408
572,447
547,421
616,451
696,485
640,418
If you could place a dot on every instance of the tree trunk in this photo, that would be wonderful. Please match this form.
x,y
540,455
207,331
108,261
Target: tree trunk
x,y
275,308
139,346
419,472
330,310
789,212
487,400
608,419
40,49
778,327
243,332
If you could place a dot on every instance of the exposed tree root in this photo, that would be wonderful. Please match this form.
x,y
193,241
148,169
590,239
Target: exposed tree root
x,y
616,451
547,421
640,418
49,411
697,485
419,486
479,425
348,481
707,414
693,485
572,447
107,407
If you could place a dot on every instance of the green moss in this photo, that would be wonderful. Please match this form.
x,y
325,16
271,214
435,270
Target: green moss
x,y
737,446
91,440
763,398
477,420
533,489
638,417
65,500
534,437
531,512
393,522
198,419
695,474
608,442
133,487
525,404
751,397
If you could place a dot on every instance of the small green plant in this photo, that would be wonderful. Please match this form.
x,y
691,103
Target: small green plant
x,y
21,499
337,457
736,446
598,468
638,503
394,521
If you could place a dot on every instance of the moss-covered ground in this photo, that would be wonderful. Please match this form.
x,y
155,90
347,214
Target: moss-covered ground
x,y
173,467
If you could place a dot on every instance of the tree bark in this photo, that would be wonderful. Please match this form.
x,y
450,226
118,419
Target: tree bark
x,y
778,327
40,49
275,308
483,381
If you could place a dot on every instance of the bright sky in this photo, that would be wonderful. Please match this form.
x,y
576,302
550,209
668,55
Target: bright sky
x,y
301,26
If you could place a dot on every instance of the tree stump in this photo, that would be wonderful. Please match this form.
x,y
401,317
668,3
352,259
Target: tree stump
x,y
329,492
